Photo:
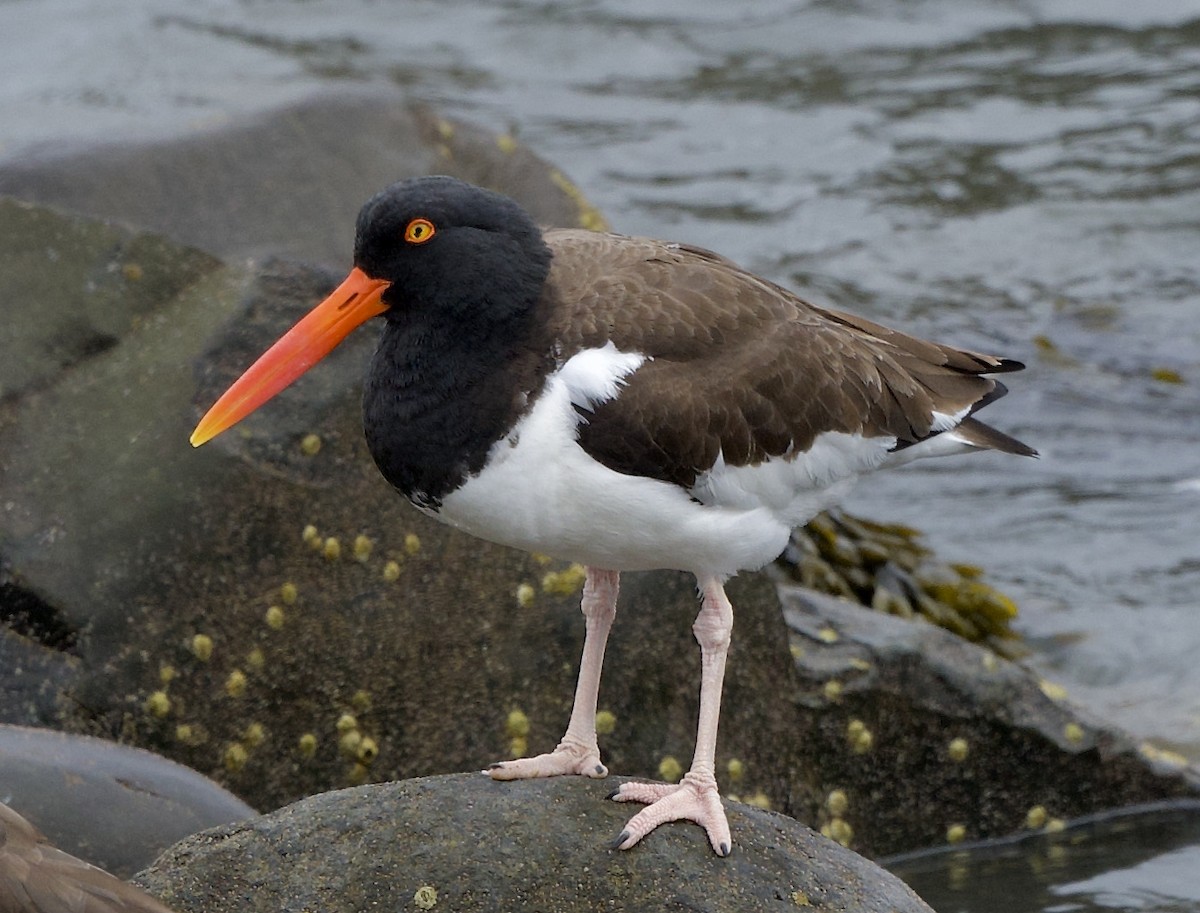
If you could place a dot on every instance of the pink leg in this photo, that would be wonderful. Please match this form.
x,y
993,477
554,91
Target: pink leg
x,y
695,797
578,753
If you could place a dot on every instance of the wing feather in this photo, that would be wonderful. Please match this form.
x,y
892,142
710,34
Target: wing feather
x,y
740,367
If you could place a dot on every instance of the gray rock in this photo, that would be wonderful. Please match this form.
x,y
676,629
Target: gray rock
x,y
116,807
71,288
465,843
33,678
290,182
932,739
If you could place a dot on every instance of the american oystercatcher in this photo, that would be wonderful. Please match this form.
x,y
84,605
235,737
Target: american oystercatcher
x,y
621,402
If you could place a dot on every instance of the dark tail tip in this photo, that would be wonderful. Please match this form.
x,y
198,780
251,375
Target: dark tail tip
x,y
976,432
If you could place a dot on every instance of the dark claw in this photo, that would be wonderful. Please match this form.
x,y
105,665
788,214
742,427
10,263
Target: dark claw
x,y
616,844
600,771
613,794
723,849
496,766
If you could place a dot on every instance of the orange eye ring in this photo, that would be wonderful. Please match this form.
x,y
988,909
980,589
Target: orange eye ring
x,y
418,231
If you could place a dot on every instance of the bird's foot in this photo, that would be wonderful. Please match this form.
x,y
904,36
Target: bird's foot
x,y
694,798
570,757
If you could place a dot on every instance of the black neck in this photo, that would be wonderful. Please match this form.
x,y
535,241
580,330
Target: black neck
x,y
442,391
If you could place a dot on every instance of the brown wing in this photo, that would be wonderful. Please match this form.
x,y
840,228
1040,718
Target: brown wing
x,y
35,877
739,365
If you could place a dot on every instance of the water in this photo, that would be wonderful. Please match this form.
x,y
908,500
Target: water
x,y
1140,859
1021,177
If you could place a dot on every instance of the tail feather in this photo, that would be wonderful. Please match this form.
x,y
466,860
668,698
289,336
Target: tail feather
x,y
974,432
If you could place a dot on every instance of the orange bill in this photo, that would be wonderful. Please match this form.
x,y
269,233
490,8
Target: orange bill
x,y
356,300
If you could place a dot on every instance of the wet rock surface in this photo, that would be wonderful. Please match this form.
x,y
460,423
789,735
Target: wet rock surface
x,y
465,843
115,806
921,738
33,678
86,283
289,183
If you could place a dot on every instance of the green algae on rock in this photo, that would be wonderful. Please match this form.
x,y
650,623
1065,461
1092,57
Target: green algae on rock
x,y
885,566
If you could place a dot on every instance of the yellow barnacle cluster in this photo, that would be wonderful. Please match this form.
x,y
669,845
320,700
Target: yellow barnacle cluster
x,y
828,635
517,723
837,803
1036,817
235,757
958,749
202,647
362,547
426,897
307,745
859,736
1053,690
606,722
564,582
361,750
235,684
516,727
189,734
736,769
669,769
368,751
158,704
759,800
838,829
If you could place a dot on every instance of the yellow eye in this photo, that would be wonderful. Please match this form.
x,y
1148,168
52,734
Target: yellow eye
x,y
418,231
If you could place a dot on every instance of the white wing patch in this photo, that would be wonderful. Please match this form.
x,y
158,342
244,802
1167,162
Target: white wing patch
x,y
944,421
595,376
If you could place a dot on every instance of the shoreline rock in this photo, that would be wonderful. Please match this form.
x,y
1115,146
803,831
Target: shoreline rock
x,y
466,843
932,740
115,806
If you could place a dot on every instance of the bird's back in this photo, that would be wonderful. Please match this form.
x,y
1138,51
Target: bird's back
x,y
742,370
